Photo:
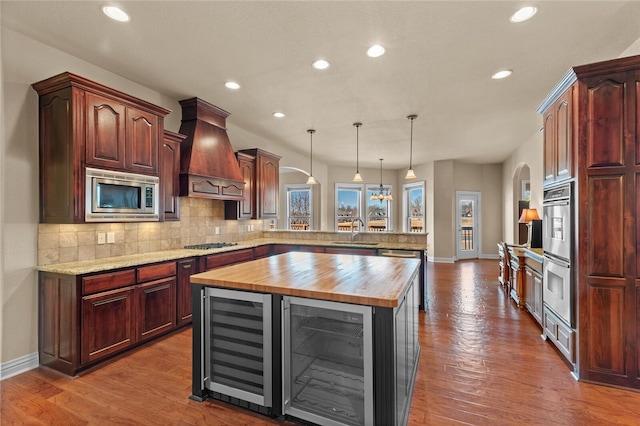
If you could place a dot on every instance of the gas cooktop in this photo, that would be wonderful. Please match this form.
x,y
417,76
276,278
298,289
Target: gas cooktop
x,y
207,246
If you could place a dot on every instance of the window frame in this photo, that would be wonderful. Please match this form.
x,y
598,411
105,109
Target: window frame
x,y
298,187
360,188
406,200
389,205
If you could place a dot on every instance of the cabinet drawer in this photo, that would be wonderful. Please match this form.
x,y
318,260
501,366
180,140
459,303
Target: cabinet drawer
x,y
222,259
109,281
155,272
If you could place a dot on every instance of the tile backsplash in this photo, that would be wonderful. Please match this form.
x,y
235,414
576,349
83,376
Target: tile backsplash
x,y
199,219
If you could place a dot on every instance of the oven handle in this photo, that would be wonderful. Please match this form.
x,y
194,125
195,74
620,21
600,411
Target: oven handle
x,y
557,261
555,203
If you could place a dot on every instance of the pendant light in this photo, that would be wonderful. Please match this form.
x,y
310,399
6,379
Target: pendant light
x,y
410,173
311,180
357,177
381,195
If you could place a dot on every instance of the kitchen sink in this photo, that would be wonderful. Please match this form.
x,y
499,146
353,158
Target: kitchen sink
x,y
355,243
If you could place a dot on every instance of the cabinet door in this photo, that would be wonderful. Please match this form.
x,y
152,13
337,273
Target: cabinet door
x,y
269,171
563,152
549,144
246,206
186,268
141,142
169,175
156,307
106,122
528,290
537,298
107,323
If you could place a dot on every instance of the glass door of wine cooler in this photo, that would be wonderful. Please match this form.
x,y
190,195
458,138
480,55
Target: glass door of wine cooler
x,y
328,371
237,345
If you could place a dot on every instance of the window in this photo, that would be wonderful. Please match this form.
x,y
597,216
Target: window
x,y
299,207
378,211
348,206
376,215
413,207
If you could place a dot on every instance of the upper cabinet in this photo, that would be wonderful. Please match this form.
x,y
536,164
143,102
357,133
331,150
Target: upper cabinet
x,y
121,137
261,171
170,175
83,123
558,133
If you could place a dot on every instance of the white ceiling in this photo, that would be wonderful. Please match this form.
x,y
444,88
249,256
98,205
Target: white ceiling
x,y
439,60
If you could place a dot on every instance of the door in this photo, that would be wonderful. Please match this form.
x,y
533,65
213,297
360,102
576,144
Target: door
x,y
468,220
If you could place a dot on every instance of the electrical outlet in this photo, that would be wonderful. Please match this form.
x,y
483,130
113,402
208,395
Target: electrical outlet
x,y
102,238
111,237
217,230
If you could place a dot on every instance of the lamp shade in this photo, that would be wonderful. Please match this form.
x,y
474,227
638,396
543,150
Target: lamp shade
x,y
528,215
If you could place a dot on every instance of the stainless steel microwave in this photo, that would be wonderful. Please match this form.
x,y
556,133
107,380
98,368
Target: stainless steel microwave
x,y
121,197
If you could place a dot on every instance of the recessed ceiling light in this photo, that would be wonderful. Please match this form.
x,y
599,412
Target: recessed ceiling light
x,y
501,74
278,114
232,85
375,51
115,13
321,64
523,14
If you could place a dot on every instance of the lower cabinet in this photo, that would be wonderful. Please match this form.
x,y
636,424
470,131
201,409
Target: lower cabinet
x,y
533,288
108,325
186,268
155,308
87,318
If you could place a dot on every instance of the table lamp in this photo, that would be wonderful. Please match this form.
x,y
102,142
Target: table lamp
x,y
527,216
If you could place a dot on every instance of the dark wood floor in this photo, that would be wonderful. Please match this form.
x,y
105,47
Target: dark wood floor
x,y
482,362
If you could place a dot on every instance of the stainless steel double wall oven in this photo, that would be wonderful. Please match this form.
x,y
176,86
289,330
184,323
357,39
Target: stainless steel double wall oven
x,y
557,244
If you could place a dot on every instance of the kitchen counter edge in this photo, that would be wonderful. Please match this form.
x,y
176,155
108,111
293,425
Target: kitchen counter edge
x,y
98,265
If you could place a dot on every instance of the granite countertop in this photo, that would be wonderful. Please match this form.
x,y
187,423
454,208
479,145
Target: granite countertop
x,y
534,253
367,280
98,265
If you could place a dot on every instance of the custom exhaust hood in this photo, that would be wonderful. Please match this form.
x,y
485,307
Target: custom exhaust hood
x,y
208,165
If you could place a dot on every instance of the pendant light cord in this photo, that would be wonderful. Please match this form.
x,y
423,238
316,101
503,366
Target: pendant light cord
x,y
311,132
411,118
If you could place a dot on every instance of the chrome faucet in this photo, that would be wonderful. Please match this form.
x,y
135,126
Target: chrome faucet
x,y
353,221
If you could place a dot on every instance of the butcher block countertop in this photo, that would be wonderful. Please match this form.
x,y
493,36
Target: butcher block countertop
x,y
362,280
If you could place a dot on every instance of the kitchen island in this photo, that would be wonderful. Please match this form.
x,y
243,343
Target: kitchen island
x,y
326,338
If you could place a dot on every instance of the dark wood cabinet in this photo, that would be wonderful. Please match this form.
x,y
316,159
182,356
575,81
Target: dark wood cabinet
x,y
605,117
557,139
186,268
155,307
169,171
227,258
351,250
88,318
83,123
108,324
246,207
533,288
262,251
261,171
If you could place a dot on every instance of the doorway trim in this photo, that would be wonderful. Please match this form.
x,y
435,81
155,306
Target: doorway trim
x,y
477,229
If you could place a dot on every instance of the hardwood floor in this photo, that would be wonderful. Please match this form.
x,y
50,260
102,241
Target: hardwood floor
x,y
482,362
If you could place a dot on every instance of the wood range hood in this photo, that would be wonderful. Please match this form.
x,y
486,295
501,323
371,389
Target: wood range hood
x,y
208,165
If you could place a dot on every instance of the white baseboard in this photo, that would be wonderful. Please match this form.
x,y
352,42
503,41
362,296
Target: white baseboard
x,y
489,256
441,259
19,365
454,259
